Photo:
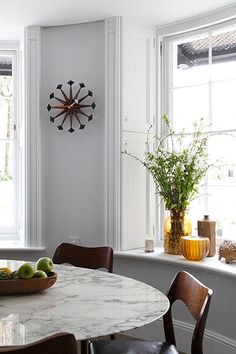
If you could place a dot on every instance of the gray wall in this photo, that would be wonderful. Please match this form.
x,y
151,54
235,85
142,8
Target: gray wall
x,y
73,164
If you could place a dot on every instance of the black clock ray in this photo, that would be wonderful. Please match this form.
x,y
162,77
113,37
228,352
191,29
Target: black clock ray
x,y
63,93
70,106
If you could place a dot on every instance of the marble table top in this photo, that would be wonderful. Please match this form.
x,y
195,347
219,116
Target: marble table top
x,y
87,303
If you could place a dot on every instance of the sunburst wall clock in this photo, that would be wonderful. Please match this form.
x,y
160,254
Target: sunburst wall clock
x,y
71,106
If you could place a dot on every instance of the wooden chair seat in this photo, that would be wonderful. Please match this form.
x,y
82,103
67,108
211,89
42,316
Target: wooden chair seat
x,y
61,343
195,296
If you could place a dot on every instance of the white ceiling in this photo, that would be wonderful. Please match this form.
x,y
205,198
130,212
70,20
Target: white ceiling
x,y
20,13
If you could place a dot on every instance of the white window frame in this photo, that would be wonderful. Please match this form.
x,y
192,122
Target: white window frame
x,y
165,59
29,138
32,129
14,236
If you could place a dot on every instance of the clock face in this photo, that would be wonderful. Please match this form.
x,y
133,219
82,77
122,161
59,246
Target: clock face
x,y
71,106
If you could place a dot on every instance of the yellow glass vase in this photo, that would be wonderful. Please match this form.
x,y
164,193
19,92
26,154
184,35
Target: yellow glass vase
x,y
176,225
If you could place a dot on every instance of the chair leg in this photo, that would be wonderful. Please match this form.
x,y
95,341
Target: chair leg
x,y
84,346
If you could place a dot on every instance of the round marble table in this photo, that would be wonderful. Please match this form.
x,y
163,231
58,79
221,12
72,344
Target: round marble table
x,y
87,303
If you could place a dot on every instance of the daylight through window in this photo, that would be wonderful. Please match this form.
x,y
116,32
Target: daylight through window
x,y
8,198
202,84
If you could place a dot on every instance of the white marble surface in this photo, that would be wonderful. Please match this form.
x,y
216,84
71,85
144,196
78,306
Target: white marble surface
x,y
87,303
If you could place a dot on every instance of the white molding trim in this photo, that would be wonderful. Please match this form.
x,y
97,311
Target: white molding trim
x,y
112,129
33,135
9,45
218,343
213,343
211,18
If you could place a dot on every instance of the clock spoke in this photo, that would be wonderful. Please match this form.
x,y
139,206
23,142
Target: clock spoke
x,y
77,118
90,117
88,105
71,130
78,92
58,115
71,83
58,99
59,87
60,127
88,94
59,107
81,112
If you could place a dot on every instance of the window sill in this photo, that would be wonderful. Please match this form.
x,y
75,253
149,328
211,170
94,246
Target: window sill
x,y
17,248
209,264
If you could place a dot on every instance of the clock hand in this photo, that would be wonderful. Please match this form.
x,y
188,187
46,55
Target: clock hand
x,y
72,105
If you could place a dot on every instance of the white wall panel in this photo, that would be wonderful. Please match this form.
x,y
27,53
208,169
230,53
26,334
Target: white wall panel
x,y
136,189
33,135
137,114
138,78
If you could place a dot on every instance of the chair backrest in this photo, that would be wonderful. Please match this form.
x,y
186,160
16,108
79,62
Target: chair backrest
x,y
86,257
61,343
196,297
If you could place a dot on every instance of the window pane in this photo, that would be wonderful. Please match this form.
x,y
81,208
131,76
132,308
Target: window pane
x,y
7,188
222,206
224,55
7,178
190,104
221,147
201,88
223,105
224,71
6,97
196,210
190,62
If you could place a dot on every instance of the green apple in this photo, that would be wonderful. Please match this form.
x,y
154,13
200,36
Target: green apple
x,y
45,264
40,274
26,271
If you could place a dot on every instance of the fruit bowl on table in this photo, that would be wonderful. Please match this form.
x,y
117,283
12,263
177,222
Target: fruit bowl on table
x,y
27,286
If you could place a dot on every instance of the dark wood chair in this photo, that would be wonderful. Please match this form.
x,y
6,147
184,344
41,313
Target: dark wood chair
x,y
86,257
194,295
63,343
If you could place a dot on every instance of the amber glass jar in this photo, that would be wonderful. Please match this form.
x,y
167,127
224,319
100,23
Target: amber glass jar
x,y
195,248
176,225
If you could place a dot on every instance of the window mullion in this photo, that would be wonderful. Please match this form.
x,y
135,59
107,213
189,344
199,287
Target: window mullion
x,y
210,78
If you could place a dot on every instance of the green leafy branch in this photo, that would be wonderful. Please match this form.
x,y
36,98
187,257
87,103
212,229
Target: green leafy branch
x,y
177,168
